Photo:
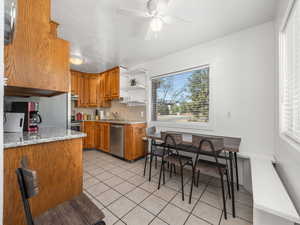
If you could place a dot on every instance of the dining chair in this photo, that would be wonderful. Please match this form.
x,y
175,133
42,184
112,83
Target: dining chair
x,y
156,151
172,156
77,211
210,147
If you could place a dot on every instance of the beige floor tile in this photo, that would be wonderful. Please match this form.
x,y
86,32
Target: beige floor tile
x,y
114,181
108,197
97,203
125,175
121,207
120,222
207,213
138,216
109,218
193,220
165,193
117,170
184,204
124,187
90,182
158,221
104,176
137,195
197,191
233,221
137,180
97,189
212,199
149,186
173,215
154,204
95,172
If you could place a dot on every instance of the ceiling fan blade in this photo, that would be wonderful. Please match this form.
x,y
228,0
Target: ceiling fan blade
x,y
132,12
174,19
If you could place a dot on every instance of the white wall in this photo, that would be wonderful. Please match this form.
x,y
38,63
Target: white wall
x,y
1,106
286,152
243,84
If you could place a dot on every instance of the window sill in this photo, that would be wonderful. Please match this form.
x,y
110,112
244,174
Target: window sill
x,y
186,126
290,141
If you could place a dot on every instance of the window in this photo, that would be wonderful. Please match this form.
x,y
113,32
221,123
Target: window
x,y
290,75
182,97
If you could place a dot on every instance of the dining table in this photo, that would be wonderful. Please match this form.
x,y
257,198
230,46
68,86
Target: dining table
x,y
231,146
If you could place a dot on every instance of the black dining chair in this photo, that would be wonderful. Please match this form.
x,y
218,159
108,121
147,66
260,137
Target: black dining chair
x,y
210,147
78,211
172,156
156,151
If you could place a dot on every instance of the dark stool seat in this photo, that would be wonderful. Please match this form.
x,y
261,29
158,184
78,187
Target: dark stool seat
x,y
78,211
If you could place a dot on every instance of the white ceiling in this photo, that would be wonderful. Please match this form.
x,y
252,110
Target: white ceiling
x,y
107,39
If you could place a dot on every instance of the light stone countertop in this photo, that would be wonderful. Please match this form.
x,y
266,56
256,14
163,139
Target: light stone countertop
x,y
115,121
44,135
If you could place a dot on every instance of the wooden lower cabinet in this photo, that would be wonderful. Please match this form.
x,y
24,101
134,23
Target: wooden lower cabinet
x,y
98,137
60,175
135,147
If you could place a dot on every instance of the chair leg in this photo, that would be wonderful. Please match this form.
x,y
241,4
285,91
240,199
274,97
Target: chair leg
x,y
146,159
171,169
182,186
161,169
164,177
150,167
224,199
198,178
192,185
156,162
228,184
174,167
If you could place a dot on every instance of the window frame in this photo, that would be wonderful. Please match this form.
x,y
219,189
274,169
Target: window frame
x,y
186,125
283,132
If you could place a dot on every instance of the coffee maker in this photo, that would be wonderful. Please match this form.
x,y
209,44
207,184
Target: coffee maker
x,y
31,111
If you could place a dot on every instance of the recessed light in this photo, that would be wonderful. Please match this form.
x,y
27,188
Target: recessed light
x,y
76,60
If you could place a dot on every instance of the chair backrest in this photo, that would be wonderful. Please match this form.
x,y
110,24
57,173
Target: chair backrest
x,y
29,188
214,145
177,138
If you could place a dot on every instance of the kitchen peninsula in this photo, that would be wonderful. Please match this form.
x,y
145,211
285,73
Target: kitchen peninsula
x,y
56,155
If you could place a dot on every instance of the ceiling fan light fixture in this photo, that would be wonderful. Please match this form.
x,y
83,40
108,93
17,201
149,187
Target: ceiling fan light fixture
x,y
76,60
156,24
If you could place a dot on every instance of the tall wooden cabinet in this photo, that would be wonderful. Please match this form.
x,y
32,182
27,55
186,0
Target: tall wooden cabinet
x,y
36,62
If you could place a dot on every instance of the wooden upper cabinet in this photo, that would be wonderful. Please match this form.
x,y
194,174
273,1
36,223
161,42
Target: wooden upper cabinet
x,y
75,82
107,90
36,63
53,28
93,81
115,83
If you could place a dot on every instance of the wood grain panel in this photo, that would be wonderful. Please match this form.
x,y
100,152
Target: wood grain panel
x,y
60,173
36,59
134,145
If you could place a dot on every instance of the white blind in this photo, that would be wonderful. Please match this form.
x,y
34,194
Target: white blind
x,y
290,62
181,96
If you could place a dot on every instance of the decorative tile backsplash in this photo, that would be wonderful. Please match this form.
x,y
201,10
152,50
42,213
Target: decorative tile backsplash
x,y
125,112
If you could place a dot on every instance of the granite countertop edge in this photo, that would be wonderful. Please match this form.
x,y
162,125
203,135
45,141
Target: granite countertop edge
x,y
113,121
12,140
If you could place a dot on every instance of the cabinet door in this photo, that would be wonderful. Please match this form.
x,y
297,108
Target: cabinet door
x,y
81,101
74,82
115,83
135,147
105,137
93,86
107,86
98,136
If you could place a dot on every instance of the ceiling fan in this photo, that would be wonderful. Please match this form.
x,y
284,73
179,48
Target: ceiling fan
x,y
156,14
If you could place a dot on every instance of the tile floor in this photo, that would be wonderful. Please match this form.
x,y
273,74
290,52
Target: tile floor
x,y
119,189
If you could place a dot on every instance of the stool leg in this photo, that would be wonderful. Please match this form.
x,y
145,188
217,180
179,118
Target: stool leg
x,y
161,169
236,172
228,184
192,185
146,159
182,186
150,167
156,162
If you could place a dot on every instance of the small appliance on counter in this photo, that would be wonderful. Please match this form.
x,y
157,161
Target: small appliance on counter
x,y
32,118
13,122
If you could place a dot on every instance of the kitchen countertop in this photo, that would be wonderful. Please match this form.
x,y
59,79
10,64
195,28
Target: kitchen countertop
x,y
44,135
113,121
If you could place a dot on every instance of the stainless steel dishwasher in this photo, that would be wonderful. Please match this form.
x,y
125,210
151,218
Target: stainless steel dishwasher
x,y
117,140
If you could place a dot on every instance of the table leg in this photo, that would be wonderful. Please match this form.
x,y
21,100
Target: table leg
x,y
236,172
151,158
232,183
